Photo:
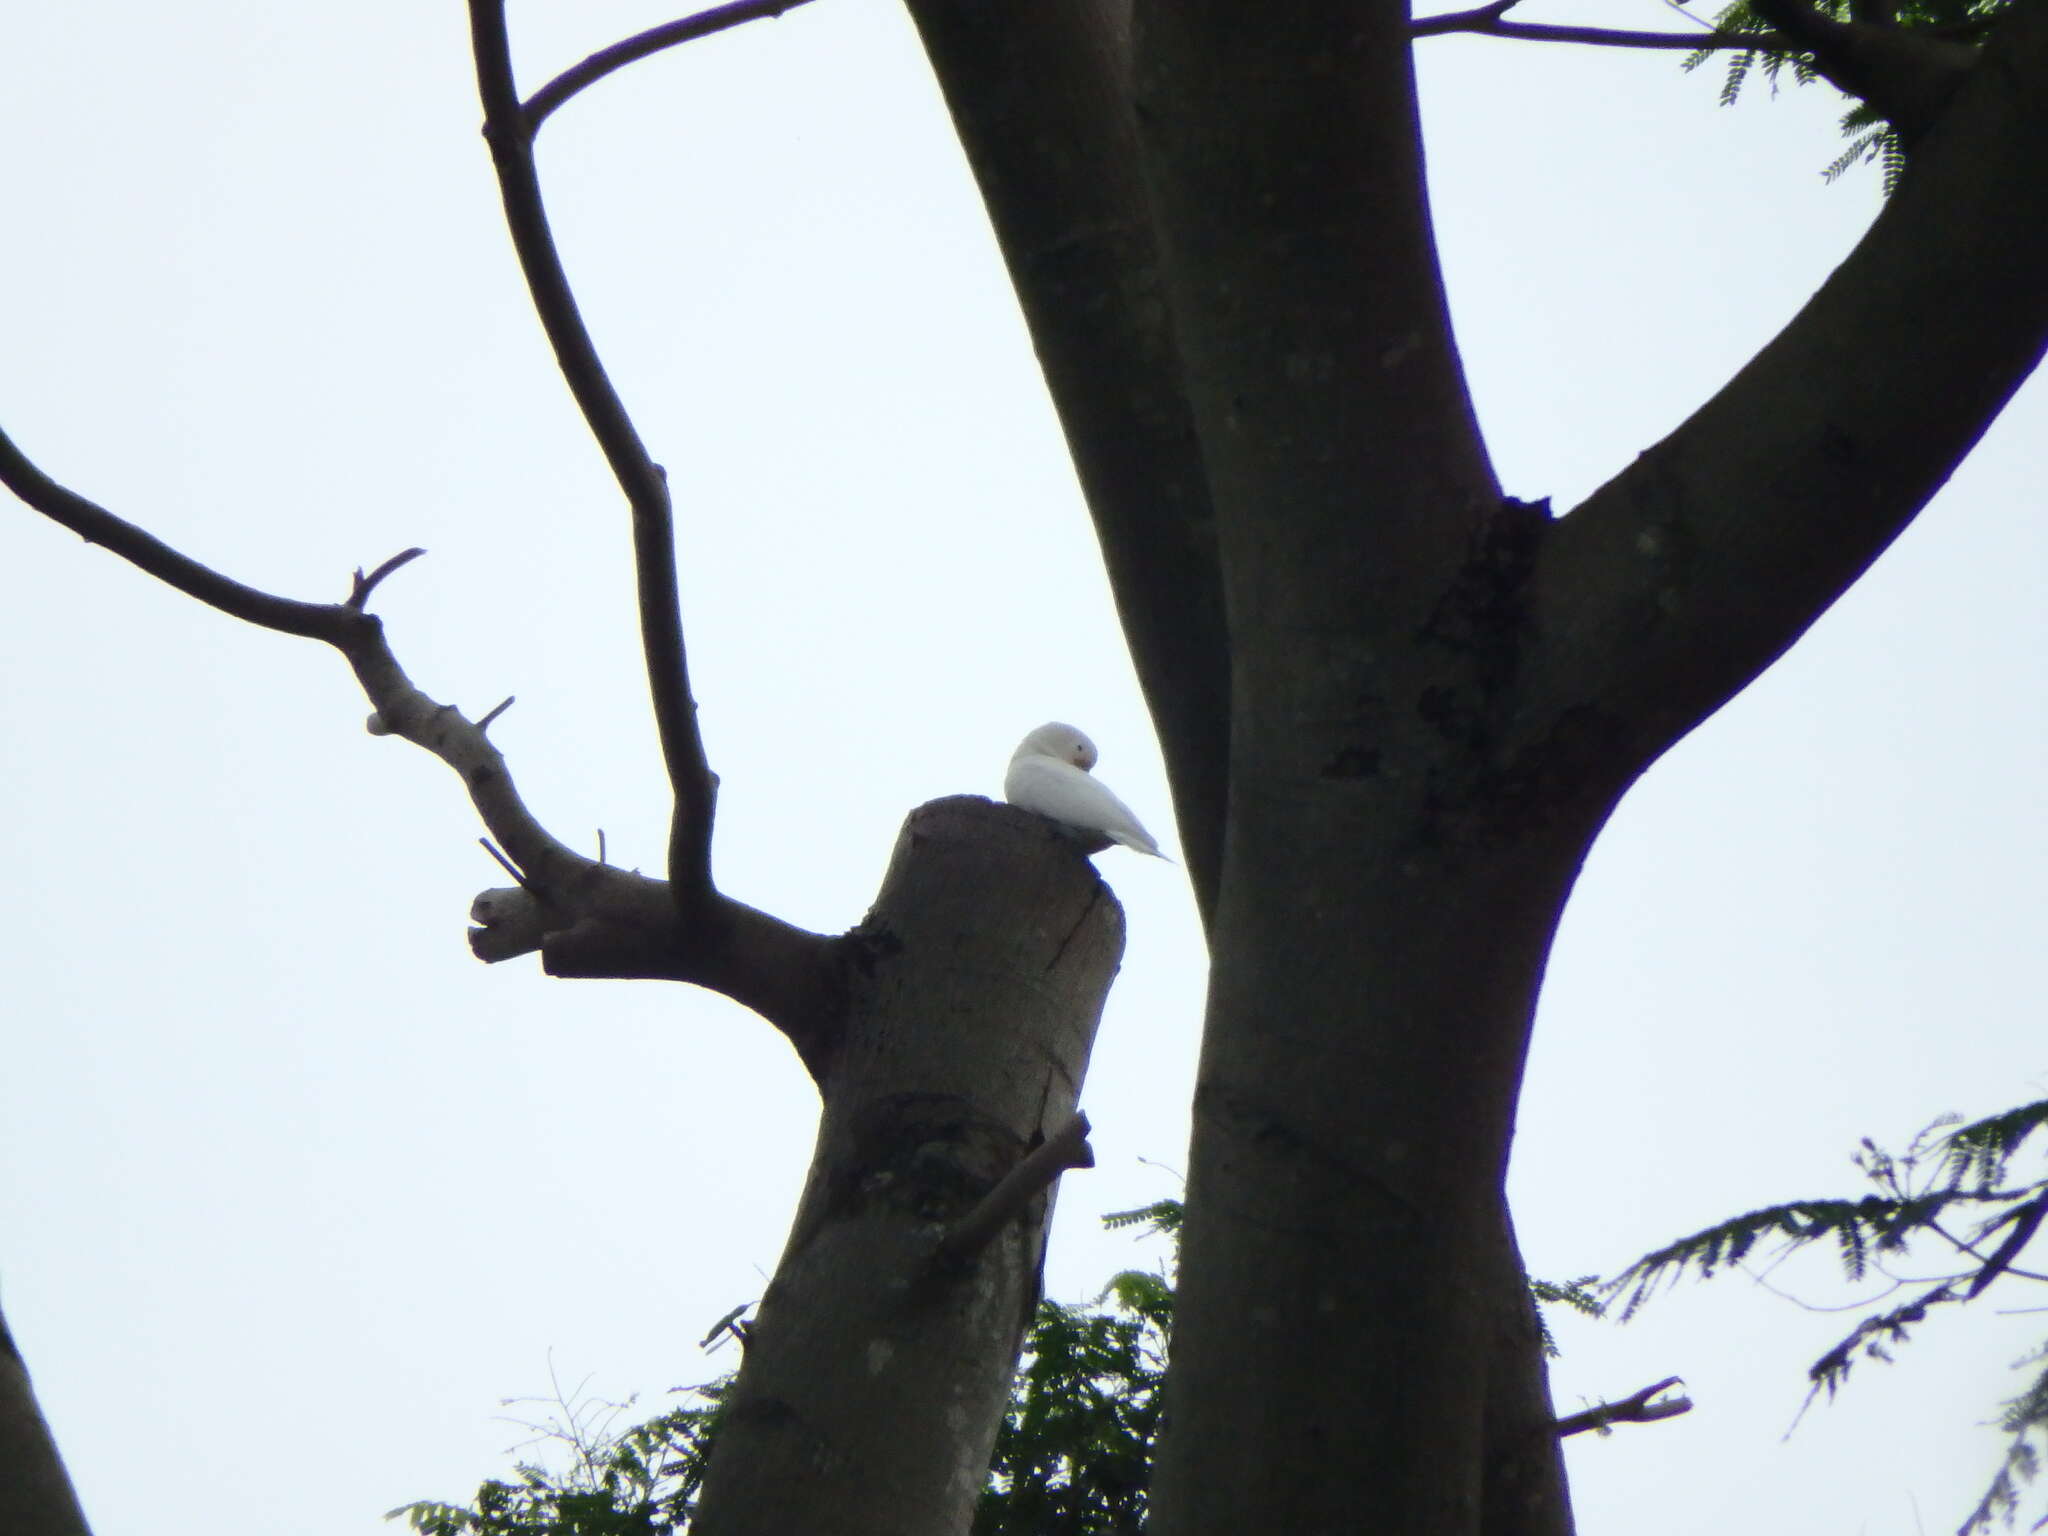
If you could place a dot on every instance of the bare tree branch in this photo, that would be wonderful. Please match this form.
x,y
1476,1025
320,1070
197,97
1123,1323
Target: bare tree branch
x,y
585,917
578,77
1636,1409
359,594
644,482
96,525
1490,21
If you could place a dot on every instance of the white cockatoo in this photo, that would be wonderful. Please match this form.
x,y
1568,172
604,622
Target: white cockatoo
x,y
1049,774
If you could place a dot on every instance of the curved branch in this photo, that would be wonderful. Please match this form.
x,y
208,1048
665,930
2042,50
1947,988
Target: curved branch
x,y
644,482
606,61
585,917
1490,21
96,525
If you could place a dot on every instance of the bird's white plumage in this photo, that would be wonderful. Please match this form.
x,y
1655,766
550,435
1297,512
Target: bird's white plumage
x,y
1049,774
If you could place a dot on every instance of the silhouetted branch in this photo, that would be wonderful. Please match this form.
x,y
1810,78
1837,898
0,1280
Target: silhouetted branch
x,y
542,104
359,594
585,917
1490,21
645,484
96,525
1637,1409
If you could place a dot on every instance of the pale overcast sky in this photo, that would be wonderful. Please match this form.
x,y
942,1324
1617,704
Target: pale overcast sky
x,y
293,1191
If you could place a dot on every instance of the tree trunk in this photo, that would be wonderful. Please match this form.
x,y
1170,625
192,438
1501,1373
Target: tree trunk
x,y
1349,1284
879,1367
36,1497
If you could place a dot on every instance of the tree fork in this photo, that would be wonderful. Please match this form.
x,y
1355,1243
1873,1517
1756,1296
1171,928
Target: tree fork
x,y
878,1368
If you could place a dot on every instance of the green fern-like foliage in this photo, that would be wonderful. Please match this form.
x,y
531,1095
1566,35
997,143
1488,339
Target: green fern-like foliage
x,y
1872,140
640,1481
1576,1294
1073,1455
1953,1191
2025,1421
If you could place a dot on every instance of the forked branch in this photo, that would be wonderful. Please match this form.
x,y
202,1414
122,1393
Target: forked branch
x,y
1644,1407
586,918
694,786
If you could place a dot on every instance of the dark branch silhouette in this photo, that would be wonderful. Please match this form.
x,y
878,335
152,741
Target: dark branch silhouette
x,y
606,61
1491,21
644,482
1639,1408
584,917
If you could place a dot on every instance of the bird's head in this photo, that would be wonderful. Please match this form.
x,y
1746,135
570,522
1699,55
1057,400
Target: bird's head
x,y
1059,741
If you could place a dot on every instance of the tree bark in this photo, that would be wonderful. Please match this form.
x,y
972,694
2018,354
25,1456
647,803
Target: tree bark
x,y
879,1366
36,1497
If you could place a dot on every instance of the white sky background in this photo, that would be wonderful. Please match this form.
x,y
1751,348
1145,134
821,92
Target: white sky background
x,y
293,1191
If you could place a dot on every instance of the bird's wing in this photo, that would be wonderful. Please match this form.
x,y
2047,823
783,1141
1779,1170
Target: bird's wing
x,y
1066,794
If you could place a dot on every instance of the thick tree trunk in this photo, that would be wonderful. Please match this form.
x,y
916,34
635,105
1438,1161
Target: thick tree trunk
x,y
878,1369
1348,1283
36,1497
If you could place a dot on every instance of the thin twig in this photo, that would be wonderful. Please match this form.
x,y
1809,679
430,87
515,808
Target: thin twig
x,y
606,922
509,867
645,484
1636,1409
401,708
363,586
1065,1148
578,77
509,700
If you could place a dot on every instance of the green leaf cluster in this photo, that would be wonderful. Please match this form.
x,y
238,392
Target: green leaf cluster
x,y
640,1481
1872,140
1073,1455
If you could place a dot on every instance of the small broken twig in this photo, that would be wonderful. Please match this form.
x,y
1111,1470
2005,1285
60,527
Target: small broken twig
x,y
363,586
1065,1148
1638,1409
509,867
